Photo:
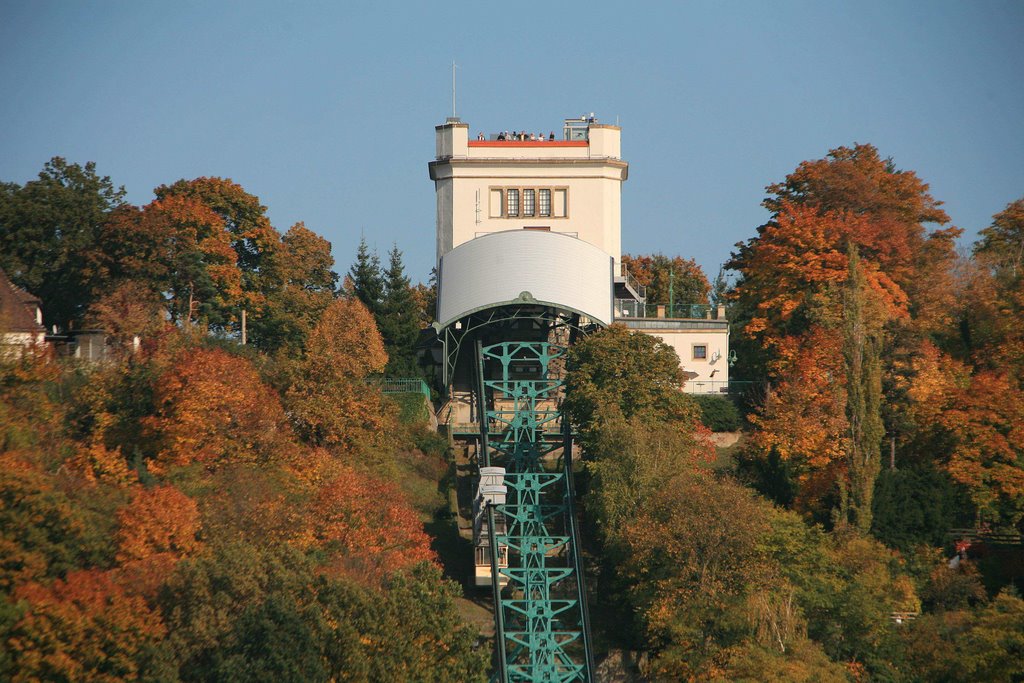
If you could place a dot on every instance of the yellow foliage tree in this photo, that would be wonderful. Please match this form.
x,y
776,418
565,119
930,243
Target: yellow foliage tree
x,y
330,402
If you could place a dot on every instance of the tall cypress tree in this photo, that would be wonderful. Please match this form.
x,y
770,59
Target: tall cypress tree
x,y
862,341
399,319
367,283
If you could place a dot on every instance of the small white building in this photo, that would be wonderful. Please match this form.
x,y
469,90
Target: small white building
x,y
702,344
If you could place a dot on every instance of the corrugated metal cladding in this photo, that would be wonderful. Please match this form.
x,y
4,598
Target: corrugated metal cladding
x,y
555,269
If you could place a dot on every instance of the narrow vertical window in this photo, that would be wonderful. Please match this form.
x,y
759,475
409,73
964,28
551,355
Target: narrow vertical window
x,y
544,199
561,204
513,202
496,203
528,202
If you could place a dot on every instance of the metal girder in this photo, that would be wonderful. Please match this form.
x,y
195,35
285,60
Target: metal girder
x,y
540,616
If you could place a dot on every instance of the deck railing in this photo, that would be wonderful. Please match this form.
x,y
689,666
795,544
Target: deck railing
x,y
707,386
402,385
628,308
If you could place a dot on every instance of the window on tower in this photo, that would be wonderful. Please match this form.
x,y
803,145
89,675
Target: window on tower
x,y
526,202
544,197
513,203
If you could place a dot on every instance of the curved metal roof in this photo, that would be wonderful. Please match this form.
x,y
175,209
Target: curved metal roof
x,y
525,266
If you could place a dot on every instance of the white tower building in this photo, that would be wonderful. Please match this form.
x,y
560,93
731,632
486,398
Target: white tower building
x,y
569,184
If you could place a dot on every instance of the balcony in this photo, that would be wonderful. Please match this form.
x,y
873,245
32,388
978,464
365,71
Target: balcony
x,y
631,308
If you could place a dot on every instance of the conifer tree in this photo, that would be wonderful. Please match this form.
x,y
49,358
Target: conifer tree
x,y
399,319
366,281
861,352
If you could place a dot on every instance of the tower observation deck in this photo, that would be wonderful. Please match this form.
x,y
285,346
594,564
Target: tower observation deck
x,y
528,248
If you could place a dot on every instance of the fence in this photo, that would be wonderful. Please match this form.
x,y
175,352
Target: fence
x,y
717,387
629,308
402,385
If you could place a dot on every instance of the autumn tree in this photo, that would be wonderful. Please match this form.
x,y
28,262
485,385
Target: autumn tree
x,y
367,527
994,303
984,419
252,236
211,408
330,402
399,320
46,228
85,628
790,273
175,247
300,284
41,532
669,279
801,425
969,645
425,297
125,311
156,528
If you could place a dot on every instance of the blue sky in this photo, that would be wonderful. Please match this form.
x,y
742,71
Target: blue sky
x,y
326,110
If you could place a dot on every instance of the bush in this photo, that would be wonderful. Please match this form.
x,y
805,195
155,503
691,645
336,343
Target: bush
x,y
718,413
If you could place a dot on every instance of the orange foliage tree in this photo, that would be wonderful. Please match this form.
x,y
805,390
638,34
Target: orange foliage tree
x,y
157,528
985,418
127,310
252,236
995,306
367,526
175,246
330,402
660,274
803,419
792,273
40,530
212,408
83,628
247,230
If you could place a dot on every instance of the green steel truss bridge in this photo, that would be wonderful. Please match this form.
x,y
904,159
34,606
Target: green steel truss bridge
x,y
542,630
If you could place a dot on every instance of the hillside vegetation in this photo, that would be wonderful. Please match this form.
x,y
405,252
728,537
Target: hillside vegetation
x,y
196,508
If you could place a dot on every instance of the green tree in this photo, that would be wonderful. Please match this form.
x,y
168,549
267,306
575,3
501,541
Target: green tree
x,y
617,371
252,236
398,322
365,281
917,505
981,645
300,286
861,351
46,228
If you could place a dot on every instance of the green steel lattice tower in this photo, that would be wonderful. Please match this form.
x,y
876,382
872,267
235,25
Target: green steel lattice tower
x,y
541,618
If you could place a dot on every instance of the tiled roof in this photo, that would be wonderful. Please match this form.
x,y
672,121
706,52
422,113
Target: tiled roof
x,y
17,308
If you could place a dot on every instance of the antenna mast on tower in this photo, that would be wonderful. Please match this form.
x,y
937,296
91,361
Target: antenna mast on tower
x,y
454,115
